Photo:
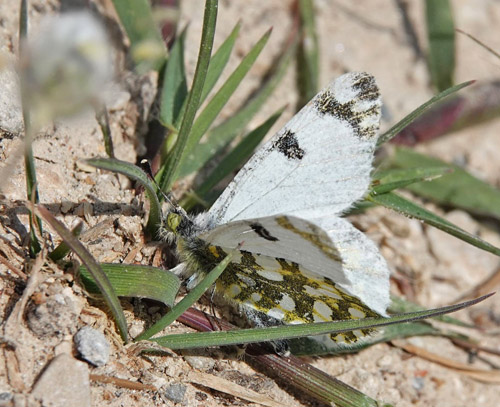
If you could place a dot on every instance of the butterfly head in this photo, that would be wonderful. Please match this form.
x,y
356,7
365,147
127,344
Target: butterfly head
x,y
179,225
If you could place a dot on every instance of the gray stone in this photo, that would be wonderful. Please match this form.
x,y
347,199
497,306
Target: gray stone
x,y
175,392
92,346
5,398
54,317
11,118
64,383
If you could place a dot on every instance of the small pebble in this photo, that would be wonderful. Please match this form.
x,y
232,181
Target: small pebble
x,y
5,397
92,346
175,392
202,363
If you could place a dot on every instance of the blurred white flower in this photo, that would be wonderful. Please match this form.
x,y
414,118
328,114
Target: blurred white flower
x,y
65,65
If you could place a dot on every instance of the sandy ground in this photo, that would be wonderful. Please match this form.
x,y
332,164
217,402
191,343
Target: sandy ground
x,y
40,319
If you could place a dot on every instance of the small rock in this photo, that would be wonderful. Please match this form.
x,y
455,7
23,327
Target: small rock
x,y
54,317
92,346
202,363
175,392
64,383
11,118
5,398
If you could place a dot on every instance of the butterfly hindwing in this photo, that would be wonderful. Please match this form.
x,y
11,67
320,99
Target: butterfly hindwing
x,y
326,247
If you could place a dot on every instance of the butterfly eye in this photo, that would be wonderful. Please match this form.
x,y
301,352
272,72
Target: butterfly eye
x,y
173,222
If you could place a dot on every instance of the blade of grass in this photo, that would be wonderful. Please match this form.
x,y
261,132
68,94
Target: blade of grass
x,y
274,333
305,379
95,270
219,61
478,104
174,101
238,156
482,44
131,280
135,173
147,46
174,91
171,167
400,305
441,35
459,189
29,161
386,181
103,120
394,130
213,108
220,136
193,296
63,249
309,347
307,54
412,210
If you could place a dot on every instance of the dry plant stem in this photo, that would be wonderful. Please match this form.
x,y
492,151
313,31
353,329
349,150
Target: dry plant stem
x,y
488,285
13,269
14,322
228,387
127,384
488,376
475,347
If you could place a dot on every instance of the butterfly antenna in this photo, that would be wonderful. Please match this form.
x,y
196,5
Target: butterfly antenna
x,y
146,167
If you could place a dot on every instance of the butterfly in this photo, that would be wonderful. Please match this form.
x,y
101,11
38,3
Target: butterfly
x,y
295,259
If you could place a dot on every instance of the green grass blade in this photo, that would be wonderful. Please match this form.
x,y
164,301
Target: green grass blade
x,y
220,136
232,161
412,210
400,305
307,54
193,296
131,280
458,189
135,173
394,130
274,333
146,45
95,270
103,120
389,180
441,35
63,249
174,91
219,61
305,379
29,161
213,108
309,347
171,167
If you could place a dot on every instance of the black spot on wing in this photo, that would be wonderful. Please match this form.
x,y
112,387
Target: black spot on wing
x,y
263,232
288,145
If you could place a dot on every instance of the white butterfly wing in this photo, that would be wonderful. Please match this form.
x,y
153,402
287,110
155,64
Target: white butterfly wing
x,y
318,165
327,247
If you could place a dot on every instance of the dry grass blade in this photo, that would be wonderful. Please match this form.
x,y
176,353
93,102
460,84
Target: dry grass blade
x,y
228,387
487,376
488,285
127,384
